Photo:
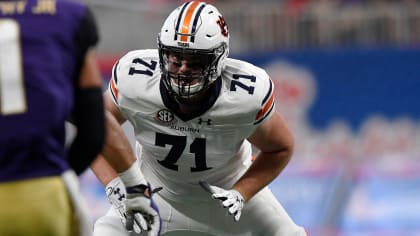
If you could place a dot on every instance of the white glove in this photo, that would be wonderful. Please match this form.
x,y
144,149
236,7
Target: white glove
x,y
141,210
230,199
115,191
116,194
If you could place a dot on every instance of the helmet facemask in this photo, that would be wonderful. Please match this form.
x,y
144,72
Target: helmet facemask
x,y
203,64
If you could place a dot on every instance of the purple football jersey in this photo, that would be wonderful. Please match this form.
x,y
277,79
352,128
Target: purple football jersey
x,y
42,46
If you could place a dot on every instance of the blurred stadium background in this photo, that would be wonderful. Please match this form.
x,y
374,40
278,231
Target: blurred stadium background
x,y
348,83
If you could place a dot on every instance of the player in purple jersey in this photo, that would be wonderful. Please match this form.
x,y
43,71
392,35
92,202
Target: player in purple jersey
x,y
48,74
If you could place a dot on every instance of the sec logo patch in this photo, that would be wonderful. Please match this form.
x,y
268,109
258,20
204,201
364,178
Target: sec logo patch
x,y
165,116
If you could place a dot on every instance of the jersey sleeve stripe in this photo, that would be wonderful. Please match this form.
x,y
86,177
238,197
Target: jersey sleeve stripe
x,y
113,83
265,110
114,72
114,91
270,90
265,116
267,105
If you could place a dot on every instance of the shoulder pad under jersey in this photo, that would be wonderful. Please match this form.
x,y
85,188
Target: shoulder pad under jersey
x,y
134,71
250,90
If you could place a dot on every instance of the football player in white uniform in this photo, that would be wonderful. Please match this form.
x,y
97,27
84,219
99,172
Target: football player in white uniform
x,y
195,114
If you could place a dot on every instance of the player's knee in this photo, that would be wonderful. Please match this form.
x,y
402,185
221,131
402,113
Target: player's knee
x,y
295,231
108,226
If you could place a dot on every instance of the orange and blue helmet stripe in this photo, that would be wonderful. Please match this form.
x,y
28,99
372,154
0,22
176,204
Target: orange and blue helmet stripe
x,y
187,22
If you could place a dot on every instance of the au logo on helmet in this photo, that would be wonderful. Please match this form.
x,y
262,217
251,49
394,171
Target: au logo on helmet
x,y
223,26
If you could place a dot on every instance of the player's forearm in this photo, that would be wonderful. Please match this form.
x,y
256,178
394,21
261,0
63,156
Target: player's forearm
x,y
103,171
118,157
117,150
263,171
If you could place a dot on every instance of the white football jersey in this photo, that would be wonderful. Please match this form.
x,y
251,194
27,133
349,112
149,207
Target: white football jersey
x,y
211,145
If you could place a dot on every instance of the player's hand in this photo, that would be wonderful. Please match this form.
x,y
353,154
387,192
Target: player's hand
x,y
141,210
230,199
116,194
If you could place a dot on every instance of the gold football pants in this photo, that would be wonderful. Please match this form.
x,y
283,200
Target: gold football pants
x,y
38,206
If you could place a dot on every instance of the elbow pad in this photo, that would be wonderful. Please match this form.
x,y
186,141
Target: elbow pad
x,y
89,119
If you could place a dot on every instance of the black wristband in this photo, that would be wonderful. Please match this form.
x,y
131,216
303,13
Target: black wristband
x,y
137,189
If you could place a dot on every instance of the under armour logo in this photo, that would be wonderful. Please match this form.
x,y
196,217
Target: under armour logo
x,y
117,192
200,121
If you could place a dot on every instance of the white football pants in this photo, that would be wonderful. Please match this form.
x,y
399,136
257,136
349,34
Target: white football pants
x,y
262,216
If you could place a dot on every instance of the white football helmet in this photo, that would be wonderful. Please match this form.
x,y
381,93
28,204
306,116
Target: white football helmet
x,y
194,28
